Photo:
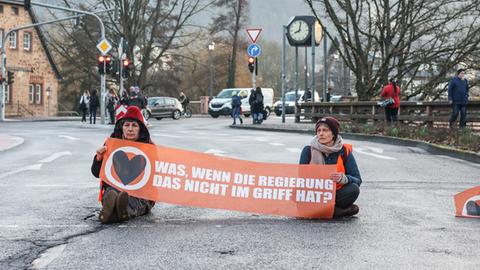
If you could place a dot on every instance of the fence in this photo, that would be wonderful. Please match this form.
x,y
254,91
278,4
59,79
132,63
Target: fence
x,y
429,113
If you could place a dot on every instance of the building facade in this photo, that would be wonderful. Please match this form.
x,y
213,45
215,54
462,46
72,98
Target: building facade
x,y
36,78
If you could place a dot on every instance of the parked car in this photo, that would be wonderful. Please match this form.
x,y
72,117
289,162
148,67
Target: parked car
x,y
162,107
221,104
290,102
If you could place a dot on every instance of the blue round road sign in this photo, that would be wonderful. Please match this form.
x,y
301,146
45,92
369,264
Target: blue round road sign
x,y
254,50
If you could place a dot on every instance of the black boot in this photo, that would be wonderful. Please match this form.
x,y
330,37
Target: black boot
x,y
121,206
108,214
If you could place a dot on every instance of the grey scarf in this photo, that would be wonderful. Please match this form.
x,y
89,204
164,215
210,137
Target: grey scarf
x,y
317,149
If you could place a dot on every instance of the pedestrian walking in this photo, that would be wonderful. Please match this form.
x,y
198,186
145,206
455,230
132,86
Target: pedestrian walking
x,y
112,100
327,147
93,105
184,100
119,206
391,93
84,104
236,108
458,98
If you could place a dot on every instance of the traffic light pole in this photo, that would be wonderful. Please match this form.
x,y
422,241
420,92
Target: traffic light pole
x,y
254,79
4,56
120,68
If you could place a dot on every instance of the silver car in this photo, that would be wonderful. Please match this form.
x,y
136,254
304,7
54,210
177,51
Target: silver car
x,y
161,107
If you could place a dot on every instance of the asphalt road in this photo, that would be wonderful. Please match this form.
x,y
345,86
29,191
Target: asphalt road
x,y
49,211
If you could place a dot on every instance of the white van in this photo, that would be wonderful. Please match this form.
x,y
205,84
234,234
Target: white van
x,y
221,104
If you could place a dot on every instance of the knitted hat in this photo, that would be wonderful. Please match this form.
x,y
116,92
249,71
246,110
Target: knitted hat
x,y
132,113
332,123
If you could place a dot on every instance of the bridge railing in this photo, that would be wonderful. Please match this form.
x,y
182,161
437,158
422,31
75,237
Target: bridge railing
x,y
429,113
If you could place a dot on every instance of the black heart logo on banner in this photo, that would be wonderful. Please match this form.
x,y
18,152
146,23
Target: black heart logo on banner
x,y
128,169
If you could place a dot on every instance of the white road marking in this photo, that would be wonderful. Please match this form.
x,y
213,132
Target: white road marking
x,y
376,149
48,256
276,144
216,152
55,156
363,151
72,186
294,150
261,139
69,137
28,168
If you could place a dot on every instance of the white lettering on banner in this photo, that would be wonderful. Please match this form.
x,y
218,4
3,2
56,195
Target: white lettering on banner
x,y
272,193
169,168
240,191
206,187
313,196
294,182
244,179
209,174
166,182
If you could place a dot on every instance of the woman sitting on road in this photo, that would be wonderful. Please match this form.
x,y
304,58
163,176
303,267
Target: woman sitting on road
x,y
119,206
327,147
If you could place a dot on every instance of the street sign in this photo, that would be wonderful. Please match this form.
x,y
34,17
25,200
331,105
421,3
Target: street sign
x,y
254,50
253,34
104,46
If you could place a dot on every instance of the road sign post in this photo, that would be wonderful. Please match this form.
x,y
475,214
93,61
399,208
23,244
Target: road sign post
x,y
254,50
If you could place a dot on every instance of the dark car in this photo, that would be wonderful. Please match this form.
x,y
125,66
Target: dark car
x,y
161,107
289,103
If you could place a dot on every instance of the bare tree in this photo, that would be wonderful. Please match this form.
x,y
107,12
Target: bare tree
x,y
381,38
231,21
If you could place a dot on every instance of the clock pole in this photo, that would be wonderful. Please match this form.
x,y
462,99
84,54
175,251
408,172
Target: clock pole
x,y
313,61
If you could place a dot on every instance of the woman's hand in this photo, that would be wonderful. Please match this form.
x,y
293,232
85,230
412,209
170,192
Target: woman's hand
x,y
339,177
100,152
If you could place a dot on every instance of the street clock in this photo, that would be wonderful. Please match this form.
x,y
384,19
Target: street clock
x,y
299,31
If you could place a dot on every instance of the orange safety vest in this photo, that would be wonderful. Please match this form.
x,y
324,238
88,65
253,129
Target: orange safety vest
x,y
340,161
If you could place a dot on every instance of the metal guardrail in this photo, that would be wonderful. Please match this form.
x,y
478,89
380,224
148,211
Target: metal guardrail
x,y
431,113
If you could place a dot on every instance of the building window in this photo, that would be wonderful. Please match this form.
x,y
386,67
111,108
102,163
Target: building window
x,y
31,93
13,40
38,94
27,41
14,10
1,8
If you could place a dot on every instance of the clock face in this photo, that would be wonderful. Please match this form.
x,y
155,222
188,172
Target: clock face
x,y
298,30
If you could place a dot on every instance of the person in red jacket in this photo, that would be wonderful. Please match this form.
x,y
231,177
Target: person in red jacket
x,y
391,90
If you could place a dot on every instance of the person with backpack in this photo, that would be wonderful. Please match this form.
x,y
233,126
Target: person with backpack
x,y
236,107
93,105
327,147
391,91
83,105
184,100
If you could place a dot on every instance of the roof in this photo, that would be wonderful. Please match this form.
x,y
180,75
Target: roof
x,y
40,34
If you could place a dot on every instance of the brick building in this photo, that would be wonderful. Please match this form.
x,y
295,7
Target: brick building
x,y
36,77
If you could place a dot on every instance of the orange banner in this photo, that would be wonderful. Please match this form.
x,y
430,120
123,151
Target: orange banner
x,y
189,178
467,203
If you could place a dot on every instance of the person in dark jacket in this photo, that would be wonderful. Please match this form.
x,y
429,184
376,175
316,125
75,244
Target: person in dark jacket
x,y
391,90
93,105
118,206
327,147
257,110
236,108
458,97
112,100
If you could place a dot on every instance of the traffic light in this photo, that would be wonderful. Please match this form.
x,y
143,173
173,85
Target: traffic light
x,y
101,64
108,64
27,4
125,68
251,64
10,77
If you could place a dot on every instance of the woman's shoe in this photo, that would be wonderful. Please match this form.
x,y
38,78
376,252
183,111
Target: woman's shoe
x,y
107,214
121,206
346,212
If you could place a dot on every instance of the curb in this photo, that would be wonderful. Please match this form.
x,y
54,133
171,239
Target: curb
x,y
429,147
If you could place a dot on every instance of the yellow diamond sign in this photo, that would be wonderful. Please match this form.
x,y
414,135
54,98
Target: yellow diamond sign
x,y
104,46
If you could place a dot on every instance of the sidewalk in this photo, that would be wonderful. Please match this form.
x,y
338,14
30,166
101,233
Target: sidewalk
x,y
308,128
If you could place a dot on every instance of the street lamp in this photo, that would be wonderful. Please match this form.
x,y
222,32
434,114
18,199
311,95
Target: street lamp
x,y
211,47
48,100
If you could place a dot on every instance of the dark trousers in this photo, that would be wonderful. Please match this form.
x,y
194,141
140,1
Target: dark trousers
x,y
84,115
136,206
391,114
112,116
236,114
347,195
456,108
93,113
